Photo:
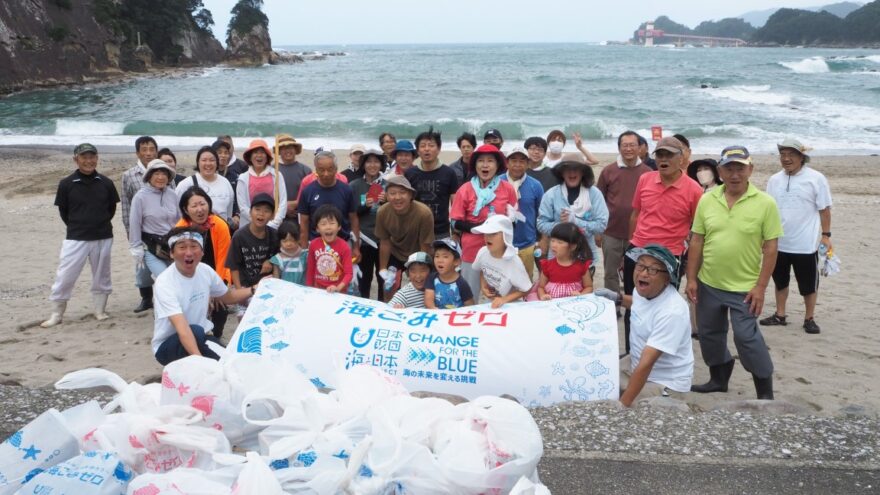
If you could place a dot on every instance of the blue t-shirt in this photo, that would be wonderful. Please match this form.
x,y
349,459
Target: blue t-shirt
x,y
451,295
338,195
292,269
525,234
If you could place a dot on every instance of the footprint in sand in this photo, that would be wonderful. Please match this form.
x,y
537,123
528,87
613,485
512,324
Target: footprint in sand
x,y
48,358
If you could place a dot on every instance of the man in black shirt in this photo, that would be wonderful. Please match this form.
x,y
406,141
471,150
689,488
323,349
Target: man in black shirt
x,y
86,201
435,183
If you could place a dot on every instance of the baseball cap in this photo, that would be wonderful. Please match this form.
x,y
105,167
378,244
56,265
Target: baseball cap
x,y
400,181
84,148
739,154
493,133
263,199
448,244
357,148
671,145
662,255
792,144
418,257
519,150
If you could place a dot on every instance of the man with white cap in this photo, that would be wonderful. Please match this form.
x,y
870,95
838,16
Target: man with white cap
x,y
183,293
661,360
354,168
732,255
529,193
804,200
503,277
86,201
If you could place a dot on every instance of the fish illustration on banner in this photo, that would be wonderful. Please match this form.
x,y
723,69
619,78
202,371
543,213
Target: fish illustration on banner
x,y
540,352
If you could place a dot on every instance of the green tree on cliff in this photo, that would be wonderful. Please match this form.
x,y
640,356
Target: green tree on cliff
x,y
245,15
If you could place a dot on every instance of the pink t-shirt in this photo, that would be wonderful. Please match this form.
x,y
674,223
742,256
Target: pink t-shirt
x,y
463,207
666,213
262,184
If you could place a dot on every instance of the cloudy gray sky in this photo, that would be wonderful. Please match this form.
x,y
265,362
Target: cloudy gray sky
x,y
313,22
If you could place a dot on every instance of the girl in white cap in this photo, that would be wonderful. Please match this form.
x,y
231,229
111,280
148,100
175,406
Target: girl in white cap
x,y
503,276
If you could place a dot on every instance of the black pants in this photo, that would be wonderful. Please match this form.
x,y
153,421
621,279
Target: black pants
x,y
369,264
218,318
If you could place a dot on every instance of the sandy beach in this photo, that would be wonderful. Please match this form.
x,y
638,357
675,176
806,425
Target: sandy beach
x,y
822,373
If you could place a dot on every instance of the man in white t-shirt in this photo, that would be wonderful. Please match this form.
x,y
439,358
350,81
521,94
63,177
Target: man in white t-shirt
x,y
182,296
661,354
804,200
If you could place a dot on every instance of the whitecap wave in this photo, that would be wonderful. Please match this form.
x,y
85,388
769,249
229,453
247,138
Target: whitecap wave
x,y
756,95
69,127
812,65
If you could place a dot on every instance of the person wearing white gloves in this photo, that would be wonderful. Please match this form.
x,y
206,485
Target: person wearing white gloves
x,y
86,201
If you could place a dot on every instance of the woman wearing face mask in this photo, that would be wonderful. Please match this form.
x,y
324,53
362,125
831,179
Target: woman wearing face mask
x,y
196,211
556,143
705,172
209,180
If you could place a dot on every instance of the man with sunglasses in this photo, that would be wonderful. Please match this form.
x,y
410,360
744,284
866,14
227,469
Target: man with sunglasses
x,y
732,255
661,360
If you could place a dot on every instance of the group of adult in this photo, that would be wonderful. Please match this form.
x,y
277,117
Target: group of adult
x,y
651,221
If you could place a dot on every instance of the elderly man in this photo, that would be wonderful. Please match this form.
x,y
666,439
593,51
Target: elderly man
x,y
328,189
146,150
292,171
617,182
731,257
662,357
663,208
183,294
86,201
434,182
804,200
403,226
529,193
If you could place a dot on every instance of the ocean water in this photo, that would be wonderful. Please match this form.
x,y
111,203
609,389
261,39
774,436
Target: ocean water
x,y
830,99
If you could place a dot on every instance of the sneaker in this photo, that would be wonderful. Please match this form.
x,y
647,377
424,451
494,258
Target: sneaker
x,y
810,326
774,321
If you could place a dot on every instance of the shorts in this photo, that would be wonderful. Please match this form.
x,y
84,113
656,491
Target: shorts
x,y
806,271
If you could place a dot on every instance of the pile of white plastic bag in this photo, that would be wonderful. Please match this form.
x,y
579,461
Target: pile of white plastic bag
x,y
250,425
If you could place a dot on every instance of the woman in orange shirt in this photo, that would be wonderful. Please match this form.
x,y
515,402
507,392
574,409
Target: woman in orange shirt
x,y
195,210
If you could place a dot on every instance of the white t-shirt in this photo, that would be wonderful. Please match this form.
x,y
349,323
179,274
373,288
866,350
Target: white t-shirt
x,y
220,191
800,197
504,274
663,323
176,294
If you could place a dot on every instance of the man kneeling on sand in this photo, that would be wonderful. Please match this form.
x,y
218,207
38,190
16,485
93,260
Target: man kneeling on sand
x,y
183,293
661,356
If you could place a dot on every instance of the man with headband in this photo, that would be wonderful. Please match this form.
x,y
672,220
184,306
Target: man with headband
x,y
182,295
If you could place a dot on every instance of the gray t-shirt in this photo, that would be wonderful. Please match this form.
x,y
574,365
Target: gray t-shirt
x,y
293,175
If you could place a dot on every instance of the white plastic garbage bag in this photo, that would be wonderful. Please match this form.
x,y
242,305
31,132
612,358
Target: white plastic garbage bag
x,y
131,397
182,481
526,486
92,473
256,478
41,444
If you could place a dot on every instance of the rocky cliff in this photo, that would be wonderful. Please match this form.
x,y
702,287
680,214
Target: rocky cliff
x,y
54,42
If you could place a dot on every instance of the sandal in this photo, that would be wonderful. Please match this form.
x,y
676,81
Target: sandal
x,y
774,321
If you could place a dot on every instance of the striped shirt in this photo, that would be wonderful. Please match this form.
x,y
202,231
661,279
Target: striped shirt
x,y
409,297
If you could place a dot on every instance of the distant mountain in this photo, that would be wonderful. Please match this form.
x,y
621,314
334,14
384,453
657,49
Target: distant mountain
x,y
803,27
758,18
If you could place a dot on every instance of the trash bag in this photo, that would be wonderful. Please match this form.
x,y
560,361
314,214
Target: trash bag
x,y
182,481
257,478
41,444
526,486
92,473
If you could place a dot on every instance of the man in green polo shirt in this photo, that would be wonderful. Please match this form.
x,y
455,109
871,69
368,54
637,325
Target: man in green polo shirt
x,y
732,255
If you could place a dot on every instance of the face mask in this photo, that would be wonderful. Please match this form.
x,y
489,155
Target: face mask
x,y
706,177
555,147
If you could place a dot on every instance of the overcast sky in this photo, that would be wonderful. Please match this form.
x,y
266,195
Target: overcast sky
x,y
339,22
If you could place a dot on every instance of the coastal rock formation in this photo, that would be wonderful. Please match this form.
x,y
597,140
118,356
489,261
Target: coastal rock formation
x,y
250,48
199,48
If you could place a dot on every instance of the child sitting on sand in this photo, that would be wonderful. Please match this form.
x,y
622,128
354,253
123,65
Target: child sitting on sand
x,y
289,264
445,288
503,277
329,263
568,272
412,295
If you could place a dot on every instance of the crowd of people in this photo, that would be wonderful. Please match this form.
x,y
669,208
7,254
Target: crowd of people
x,y
490,227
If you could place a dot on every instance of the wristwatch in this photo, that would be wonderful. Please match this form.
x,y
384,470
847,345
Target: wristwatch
x,y
826,234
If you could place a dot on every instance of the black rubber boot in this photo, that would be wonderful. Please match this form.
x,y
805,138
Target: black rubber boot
x,y
718,378
146,300
764,387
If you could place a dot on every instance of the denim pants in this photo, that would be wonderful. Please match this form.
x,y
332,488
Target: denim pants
x,y
172,350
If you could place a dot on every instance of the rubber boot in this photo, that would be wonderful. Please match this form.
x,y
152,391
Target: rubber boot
x,y
101,306
58,308
764,387
718,378
146,300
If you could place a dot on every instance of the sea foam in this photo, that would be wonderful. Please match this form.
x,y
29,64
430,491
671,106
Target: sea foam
x,y
812,65
68,127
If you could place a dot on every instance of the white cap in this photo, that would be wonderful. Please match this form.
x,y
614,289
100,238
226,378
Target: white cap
x,y
495,224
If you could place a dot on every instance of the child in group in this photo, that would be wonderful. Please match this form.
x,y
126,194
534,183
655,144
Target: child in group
x,y
329,263
445,288
503,277
253,246
412,295
290,262
568,272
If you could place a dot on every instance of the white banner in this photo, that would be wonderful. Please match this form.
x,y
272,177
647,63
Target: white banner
x,y
539,352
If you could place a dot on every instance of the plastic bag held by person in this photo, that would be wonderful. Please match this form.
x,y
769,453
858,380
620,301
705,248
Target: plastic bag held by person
x,y
92,473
